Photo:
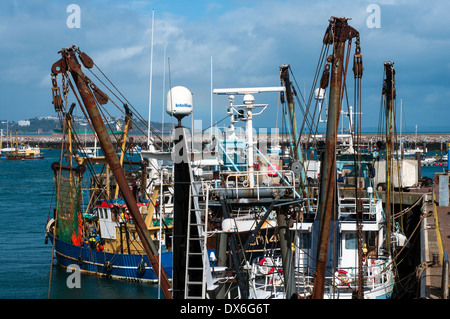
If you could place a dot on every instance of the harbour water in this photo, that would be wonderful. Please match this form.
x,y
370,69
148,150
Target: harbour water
x,y
25,260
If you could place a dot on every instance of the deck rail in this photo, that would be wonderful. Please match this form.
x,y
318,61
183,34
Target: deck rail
x,y
267,277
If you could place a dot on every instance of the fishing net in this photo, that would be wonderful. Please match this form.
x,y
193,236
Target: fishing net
x,y
68,208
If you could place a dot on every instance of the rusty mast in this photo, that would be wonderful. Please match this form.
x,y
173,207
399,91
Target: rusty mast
x,y
337,34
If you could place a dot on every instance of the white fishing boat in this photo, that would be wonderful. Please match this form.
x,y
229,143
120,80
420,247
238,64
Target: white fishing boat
x,y
342,267
320,247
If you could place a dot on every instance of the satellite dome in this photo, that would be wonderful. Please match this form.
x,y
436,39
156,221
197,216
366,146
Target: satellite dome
x,y
179,102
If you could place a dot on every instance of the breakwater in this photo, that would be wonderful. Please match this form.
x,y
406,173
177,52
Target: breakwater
x,y
432,141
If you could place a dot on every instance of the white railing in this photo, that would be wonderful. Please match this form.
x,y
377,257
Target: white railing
x,y
267,277
370,208
264,182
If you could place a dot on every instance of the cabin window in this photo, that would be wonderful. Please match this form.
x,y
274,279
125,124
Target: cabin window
x,y
115,214
101,213
351,241
372,239
305,241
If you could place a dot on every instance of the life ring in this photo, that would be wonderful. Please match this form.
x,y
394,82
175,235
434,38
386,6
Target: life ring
x,y
127,214
342,278
266,266
377,269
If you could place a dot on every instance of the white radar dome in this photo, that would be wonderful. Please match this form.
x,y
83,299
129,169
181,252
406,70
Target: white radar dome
x,y
179,102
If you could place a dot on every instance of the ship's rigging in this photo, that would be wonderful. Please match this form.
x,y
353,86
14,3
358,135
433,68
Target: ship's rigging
x,y
299,198
91,98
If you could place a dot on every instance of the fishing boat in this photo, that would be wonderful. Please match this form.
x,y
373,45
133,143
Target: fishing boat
x,y
344,248
19,151
328,239
24,152
341,280
109,217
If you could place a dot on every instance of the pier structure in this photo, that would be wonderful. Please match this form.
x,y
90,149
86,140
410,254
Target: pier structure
x,y
432,141
433,271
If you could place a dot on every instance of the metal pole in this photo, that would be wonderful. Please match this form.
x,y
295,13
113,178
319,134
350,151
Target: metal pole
x,y
150,85
341,33
182,182
286,253
444,285
284,75
390,99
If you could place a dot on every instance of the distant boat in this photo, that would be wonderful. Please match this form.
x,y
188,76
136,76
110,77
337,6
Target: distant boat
x,y
19,152
413,151
23,153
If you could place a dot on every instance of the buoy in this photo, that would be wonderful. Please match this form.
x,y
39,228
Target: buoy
x,y
342,278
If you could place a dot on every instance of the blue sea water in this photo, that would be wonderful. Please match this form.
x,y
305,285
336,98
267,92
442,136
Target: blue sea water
x,y
26,189
26,272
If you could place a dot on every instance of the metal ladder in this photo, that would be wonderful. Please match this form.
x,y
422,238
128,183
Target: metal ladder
x,y
195,220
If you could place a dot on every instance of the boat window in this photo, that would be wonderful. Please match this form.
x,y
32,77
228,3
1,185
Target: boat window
x,y
351,241
305,241
115,214
372,239
101,213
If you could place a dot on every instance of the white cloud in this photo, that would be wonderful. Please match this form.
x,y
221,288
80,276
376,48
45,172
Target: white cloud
x,y
247,39
118,55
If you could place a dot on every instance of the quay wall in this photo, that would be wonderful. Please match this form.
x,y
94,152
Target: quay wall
x,y
433,141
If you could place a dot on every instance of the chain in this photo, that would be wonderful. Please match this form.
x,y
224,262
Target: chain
x,y
66,89
357,60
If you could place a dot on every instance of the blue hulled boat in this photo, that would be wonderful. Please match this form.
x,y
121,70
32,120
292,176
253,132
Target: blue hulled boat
x,y
132,267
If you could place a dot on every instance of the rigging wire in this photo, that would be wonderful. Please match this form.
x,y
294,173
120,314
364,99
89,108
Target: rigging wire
x,y
75,135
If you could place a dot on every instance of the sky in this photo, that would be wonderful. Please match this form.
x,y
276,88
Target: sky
x,y
247,41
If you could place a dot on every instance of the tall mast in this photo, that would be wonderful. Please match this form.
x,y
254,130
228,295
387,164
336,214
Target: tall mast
x,y
284,77
69,62
285,244
151,77
389,99
338,32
